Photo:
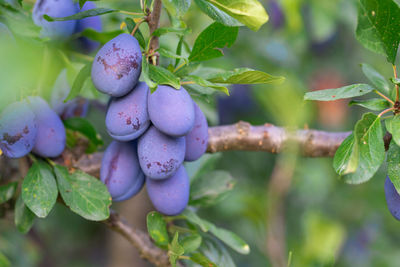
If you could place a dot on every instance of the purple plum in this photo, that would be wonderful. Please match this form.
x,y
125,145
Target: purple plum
x,y
120,170
160,155
117,66
197,138
56,30
18,130
170,196
51,136
171,110
92,23
392,198
127,116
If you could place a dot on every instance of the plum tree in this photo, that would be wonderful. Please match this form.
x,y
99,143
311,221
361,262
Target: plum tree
x,y
58,30
171,110
117,66
91,22
77,107
170,196
18,130
127,116
120,170
51,136
160,155
197,138
392,198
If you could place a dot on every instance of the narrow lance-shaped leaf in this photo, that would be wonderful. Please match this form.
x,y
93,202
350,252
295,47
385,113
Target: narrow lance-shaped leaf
x,y
39,189
101,37
393,127
80,79
83,194
175,250
210,41
84,14
249,12
203,82
369,137
23,217
378,27
375,104
245,76
157,229
393,165
84,127
191,242
346,157
339,93
376,78
217,14
146,75
130,24
161,75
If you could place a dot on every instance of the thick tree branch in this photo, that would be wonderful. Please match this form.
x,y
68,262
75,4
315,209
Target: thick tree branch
x,y
154,22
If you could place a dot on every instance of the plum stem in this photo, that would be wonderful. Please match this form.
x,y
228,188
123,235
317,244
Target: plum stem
x,y
137,26
397,86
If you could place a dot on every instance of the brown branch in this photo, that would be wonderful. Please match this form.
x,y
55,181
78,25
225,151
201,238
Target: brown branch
x,y
154,22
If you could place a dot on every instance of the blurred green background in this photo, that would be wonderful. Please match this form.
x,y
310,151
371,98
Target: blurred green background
x,y
316,220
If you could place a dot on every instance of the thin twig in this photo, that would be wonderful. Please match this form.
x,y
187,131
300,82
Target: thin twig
x,y
385,97
397,86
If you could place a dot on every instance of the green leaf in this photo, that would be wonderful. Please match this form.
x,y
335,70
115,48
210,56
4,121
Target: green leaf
x,y
245,76
146,75
216,252
376,78
217,14
101,37
84,127
180,31
191,243
211,188
23,217
177,8
228,237
39,189
210,41
202,260
83,194
130,24
4,262
393,127
249,12
7,191
166,53
175,250
393,165
346,157
375,104
378,27
161,75
80,79
339,93
157,229
203,82
81,15
369,138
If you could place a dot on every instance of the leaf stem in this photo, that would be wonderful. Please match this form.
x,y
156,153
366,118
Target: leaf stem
x,y
188,82
397,86
180,66
385,111
131,13
137,26
385,97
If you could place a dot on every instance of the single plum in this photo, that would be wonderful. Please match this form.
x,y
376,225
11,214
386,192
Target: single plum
x,y
117,66
51,136
120,170
57,30
170,196
127,116
392,199
77,107
197,138
18,130
94,23
171,110
160,155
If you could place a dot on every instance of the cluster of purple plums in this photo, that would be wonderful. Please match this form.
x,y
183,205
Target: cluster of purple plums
x,y
153,132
